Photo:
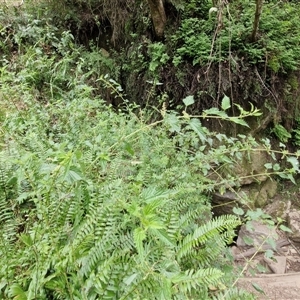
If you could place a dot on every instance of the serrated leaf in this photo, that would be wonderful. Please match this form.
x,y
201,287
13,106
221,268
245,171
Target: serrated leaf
x,y
281,145
248,240
173,122
294,162
73,176
258,288
242,111
261,268
269,253
225,103
268,166
286,229
238,211
276,167
197,127
287,176
164,237
215,112
151,194
239,121
189,100
271,242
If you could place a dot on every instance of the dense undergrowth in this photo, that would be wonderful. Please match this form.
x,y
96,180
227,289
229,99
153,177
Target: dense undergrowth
x,y
105,203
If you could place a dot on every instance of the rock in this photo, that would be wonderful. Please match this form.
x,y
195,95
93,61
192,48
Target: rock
x,y
253,164
293,220
252,196
224,203
256,232
248,169
267,190
234,250
278,209
277,264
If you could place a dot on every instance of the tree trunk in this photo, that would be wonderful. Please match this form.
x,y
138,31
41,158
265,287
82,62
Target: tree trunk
x,y
258,10
158,15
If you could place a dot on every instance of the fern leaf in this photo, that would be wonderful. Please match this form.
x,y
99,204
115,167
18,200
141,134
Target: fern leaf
x,y
234,294
139,236
206,232
191,280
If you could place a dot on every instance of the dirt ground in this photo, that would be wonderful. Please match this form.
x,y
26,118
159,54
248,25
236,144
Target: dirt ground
x,y
274,287
282,286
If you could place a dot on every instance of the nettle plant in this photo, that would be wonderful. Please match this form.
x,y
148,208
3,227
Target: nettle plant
x,y
98,204
103,205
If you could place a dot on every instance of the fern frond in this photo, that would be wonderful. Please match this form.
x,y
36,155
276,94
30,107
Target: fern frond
x,y
8,193
152,194
109,275
172,225
191,280
206,232
234,294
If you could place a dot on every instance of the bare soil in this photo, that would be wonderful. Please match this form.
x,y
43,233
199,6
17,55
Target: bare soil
x,y
270,286
274,286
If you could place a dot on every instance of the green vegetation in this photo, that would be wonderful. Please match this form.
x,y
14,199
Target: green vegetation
x,y
100,197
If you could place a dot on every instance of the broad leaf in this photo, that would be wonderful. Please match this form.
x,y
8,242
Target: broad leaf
x,y
225,103
173,122
239,121
139,235
215,112
286,229
189,100
294,162
197,127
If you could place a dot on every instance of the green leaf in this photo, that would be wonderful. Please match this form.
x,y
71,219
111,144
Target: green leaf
x,y
238,211
261,268
268,166
215,112
189,100
225,103
269,253
17,292
276,167
294,162
242,111
151,194
248,241
271,242
72,176
139,235
258,288
163,236
286,229
239,121
26,239
287,176
130,279
197,127
173,122
128,148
